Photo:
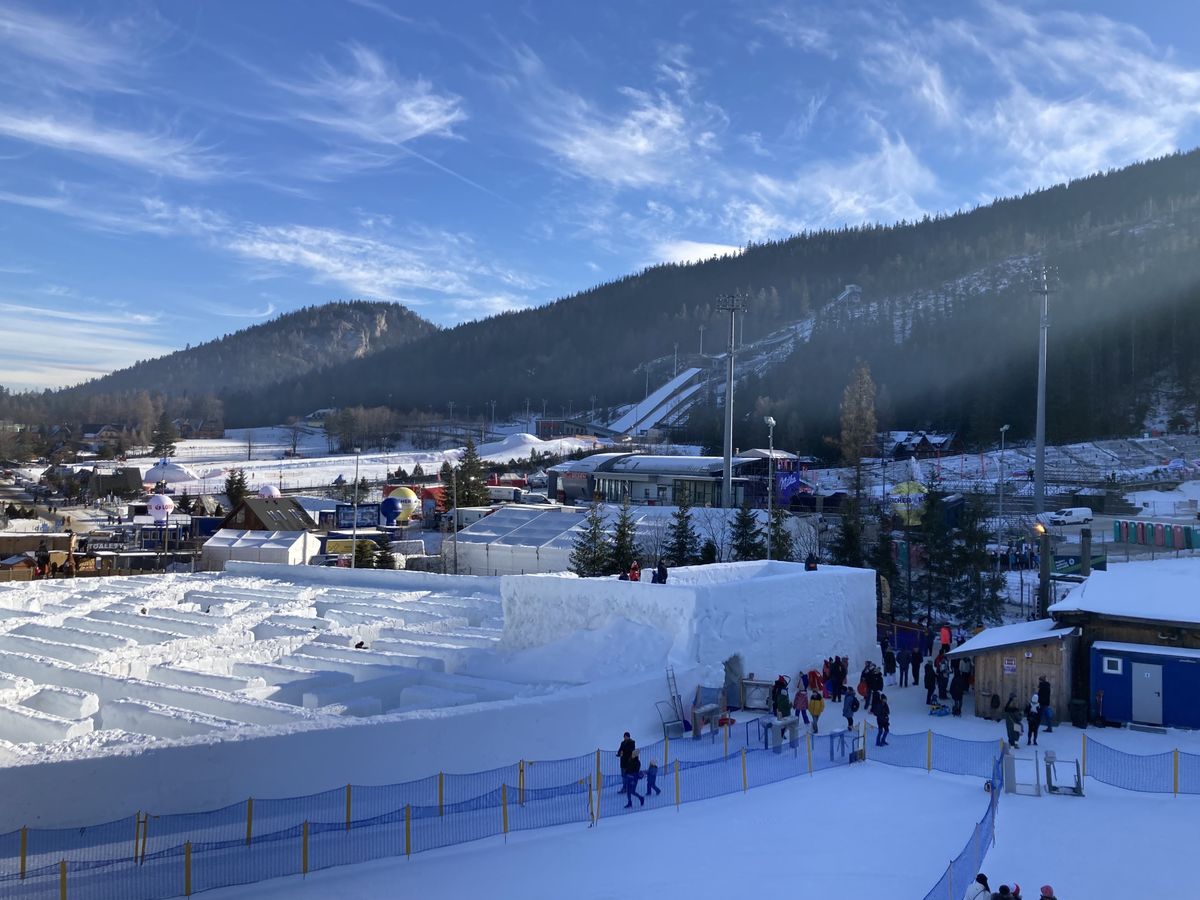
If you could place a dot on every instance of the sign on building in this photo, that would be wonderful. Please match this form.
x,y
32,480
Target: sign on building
x,y
1010,665
368,515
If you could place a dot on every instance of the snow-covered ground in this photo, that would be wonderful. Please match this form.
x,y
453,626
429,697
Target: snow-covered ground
x,y
849,833
259,452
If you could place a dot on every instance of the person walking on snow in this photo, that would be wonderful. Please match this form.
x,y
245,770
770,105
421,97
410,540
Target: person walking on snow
x,y
630,775
916,660
1033,718
849,706
801,704
930,682
904,659
652,779
889,667
883,718
624,753
816,706
1012,721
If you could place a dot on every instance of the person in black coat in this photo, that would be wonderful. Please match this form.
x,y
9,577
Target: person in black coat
x,y
916,665
958,687
1043,695
625,754
904,659
883,718
930,682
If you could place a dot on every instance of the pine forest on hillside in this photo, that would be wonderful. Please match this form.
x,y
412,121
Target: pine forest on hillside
x,y
946,320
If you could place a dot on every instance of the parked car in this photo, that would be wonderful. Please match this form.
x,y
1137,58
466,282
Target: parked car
x,y
1071,515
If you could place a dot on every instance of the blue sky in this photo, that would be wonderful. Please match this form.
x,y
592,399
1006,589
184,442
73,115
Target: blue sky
x,y
172,172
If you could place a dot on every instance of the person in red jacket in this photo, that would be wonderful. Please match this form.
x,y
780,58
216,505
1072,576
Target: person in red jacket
x,y
635,572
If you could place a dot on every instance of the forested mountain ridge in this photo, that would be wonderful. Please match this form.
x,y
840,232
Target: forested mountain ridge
x,y
1125,319
283,348
945,317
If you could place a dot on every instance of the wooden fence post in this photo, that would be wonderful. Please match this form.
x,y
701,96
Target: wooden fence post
x,y
745,780
407,829
249,820
864,741
24,848
304,849
677,785
666,751
347,807
441,792
599,782
808,744
62,879
521,783
187,868
1084,757
504,806
1176,768
929,750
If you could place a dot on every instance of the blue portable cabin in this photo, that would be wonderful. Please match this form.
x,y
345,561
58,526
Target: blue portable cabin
x,y
1146,684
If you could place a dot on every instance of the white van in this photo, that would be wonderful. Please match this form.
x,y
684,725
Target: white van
x,y
1072,515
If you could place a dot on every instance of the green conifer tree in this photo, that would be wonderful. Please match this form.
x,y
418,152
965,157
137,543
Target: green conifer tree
x,y
472,478
163,437
746,538
591,553
624,540
782,545
236,487
364,554
683,544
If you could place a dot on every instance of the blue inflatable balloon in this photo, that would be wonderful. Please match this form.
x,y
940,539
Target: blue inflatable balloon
x,y
390,508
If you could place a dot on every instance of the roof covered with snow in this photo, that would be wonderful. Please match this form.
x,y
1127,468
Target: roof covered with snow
x,y
1165,590
1146,649
1040,631
262,540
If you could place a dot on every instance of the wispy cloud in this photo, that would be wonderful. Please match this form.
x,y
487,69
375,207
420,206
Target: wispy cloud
x,y
48,347
682,251
110,214
368,101
646,142
54,50
807,36
158,152
888,184
1038,96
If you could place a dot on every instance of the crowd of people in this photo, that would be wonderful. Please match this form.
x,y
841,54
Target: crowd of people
x,y
980,890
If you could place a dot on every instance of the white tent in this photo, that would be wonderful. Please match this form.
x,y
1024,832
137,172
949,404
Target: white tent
x,y
293,548
168,472
516,540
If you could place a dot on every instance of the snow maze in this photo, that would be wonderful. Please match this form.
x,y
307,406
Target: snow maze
x,y
103,662
281,681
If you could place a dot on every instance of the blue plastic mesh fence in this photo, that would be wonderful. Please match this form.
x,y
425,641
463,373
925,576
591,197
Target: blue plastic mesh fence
x,y
1152,774
1189,773
144,857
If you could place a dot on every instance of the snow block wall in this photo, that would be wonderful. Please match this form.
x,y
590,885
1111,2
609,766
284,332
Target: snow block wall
x,y
777,616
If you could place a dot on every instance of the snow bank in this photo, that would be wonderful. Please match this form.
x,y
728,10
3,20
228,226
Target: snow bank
x,y
778,617
1164,590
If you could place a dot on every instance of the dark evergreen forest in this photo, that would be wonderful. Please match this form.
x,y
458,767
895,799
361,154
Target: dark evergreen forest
x,y
946,319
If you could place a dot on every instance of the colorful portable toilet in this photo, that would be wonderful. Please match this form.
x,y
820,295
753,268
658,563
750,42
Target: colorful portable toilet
x,y
1159,539
1141,532
1177,537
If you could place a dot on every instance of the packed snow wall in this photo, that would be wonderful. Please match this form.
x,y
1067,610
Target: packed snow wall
x,y
212,771
778,617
